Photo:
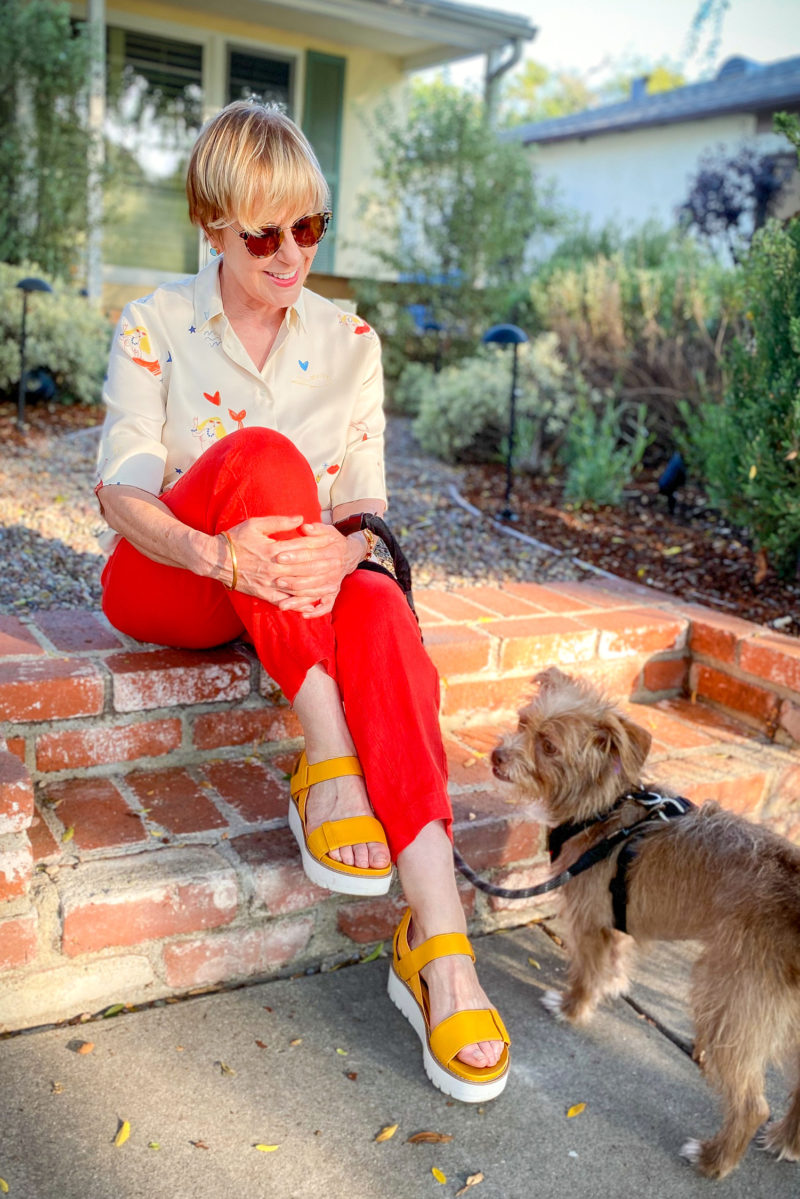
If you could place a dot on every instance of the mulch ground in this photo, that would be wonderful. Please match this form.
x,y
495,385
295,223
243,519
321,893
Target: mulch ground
x,y
692,553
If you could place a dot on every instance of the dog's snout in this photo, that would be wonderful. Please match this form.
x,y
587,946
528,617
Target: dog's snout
x,y
499,759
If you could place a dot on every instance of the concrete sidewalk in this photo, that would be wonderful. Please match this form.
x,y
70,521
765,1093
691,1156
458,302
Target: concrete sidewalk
x,y
319,1065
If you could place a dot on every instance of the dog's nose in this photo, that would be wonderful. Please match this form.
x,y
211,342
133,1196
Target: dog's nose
x,y
498,760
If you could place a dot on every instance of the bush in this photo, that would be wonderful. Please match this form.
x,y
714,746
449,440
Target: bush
x,y
64,335
464,410
600,456
748,446
647,316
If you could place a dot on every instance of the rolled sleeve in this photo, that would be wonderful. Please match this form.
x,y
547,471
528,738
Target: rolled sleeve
x,y
362,474
134,394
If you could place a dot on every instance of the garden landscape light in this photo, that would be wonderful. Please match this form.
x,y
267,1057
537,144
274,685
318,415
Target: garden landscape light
x,y
26,286
508,335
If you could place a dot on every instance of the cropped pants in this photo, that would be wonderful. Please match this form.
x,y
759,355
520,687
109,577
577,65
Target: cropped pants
x,y
369,643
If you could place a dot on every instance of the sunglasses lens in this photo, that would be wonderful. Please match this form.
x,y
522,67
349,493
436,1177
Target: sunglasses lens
x,y
311,229
265,243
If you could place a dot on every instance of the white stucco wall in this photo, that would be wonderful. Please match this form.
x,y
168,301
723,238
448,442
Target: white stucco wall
x,y
644,173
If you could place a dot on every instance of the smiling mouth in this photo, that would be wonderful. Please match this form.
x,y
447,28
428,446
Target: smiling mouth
x,y
283,278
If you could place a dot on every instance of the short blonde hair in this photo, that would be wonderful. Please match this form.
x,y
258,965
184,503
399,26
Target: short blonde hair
x,y
251,164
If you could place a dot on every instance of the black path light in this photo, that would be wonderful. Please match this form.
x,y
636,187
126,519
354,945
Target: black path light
x,y
508,335
26,286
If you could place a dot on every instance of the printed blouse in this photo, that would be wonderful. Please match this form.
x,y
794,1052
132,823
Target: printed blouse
x,y
180,379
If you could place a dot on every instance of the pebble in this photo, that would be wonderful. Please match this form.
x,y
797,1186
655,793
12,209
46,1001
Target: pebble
x,y
49,521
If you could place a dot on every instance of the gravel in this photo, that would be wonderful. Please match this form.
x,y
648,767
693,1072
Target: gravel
x,y
49,523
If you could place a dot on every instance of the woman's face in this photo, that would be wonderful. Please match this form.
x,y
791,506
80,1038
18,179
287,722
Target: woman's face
x,y
273,282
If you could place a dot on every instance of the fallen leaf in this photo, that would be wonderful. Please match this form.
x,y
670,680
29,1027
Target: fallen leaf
x,y
375,954
672,550
762,567
261,1045
123,1132
575,1110
56,1088
267,1148
438,1175
534,963
429,1138
352,1075
3,1186
342,1052
387,1132
297,1041
472,1181
199,1144
68,834
225,1069
85,1047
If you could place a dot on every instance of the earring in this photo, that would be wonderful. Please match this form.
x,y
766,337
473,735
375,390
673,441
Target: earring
x,y
214,253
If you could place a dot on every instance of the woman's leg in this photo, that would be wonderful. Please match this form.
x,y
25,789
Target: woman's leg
x,y
252,472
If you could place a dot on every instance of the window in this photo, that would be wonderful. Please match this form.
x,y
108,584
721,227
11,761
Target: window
x,y
254,76
154,112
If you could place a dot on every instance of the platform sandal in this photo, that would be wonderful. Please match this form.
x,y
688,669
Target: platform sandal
x,y
441,1045
315,847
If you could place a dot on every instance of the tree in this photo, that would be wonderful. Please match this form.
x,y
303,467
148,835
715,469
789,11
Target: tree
x,y
455,206
730,196
44,140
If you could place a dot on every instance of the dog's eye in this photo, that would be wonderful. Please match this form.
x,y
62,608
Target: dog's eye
x,y
548,747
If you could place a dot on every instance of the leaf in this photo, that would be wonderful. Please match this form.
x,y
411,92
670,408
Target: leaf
x,y
671,550
762,567
438,1175
56,1088
85,1047
261,1045
267,1148
297,1041
429,1138
123,1132
68,834
225,1069
790,457
387,1132
153,1145
114,1010
534,963
472,1181
751,474
352,1075
342,1052
3,1186
199,1144
375,954
575,1110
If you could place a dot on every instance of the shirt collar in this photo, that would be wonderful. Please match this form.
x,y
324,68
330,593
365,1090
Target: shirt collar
x,y
208,298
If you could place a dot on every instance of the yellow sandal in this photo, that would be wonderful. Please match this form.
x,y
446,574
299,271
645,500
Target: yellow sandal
x,y
315,847
440,1045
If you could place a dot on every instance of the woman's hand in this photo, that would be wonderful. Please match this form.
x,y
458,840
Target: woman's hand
x,y
299,574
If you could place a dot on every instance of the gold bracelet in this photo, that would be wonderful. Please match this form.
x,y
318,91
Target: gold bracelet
x,y
234,565
371,539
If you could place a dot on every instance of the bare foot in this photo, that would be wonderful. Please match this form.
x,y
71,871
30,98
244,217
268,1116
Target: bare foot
x,y
453,987
338,799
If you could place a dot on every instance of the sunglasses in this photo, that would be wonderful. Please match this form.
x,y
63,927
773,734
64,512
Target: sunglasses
x,y
307,232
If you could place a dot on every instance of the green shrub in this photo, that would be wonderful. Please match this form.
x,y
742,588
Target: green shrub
x,y
464,409
64,334
599,453
646,315
747,448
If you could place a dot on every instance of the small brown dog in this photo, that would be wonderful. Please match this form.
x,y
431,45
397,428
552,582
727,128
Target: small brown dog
x,y
708,876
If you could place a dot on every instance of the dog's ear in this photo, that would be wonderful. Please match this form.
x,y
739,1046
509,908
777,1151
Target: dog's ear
x,y
627,741
548,680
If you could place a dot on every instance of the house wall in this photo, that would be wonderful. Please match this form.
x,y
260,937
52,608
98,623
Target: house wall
x,y
631,176
368,75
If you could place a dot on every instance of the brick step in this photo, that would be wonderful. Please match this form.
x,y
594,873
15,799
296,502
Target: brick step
x,y
156,860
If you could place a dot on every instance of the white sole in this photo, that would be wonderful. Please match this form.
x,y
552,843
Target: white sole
x,y
456,1088
333,880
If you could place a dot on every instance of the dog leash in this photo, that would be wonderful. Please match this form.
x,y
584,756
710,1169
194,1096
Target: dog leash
x,y
657,806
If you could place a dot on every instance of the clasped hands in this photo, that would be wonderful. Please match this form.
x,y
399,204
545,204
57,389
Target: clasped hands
x,y
298,574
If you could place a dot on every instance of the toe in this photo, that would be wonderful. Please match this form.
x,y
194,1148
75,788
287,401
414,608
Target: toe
x,y
378,855
360,856
483,1055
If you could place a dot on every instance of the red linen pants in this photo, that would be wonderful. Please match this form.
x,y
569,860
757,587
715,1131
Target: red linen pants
x,y
369,643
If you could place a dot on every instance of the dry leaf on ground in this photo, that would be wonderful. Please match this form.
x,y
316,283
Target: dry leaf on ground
x,y
429,1138
575,1110
472,1181
438,1175
387,1132
123,1132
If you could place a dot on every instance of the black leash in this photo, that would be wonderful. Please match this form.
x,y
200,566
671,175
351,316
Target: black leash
x,y
661,807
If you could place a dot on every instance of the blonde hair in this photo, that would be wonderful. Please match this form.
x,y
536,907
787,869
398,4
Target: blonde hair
x,y
253,165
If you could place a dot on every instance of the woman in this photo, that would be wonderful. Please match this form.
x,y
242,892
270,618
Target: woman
x,y
244,420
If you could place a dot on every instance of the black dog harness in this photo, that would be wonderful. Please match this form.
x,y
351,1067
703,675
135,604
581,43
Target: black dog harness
x,y
657,807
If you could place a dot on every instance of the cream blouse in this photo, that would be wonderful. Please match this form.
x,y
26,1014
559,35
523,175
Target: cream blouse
x,y
179,379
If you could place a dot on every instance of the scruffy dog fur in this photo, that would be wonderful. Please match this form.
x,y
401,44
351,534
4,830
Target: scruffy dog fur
x,y
708,876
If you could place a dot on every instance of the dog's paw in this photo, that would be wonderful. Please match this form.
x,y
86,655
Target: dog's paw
x,y
691,1151
554,1002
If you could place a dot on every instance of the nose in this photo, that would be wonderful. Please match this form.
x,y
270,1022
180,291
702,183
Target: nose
x,y
289,253
499,758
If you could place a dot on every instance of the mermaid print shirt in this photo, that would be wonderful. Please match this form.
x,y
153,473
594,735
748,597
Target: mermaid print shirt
x,y
180,379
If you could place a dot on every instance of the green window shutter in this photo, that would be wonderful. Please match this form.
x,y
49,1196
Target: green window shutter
x,y
322,125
